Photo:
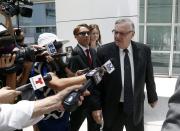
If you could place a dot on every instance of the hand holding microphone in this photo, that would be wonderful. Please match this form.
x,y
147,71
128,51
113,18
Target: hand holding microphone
x,y
94,77
29,89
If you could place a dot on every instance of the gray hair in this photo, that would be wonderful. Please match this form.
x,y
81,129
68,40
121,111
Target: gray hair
x,y
126,20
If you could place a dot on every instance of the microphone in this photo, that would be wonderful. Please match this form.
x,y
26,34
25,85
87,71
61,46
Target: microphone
x,y
28,90
22,88
60,54
98,73
108,66
94,77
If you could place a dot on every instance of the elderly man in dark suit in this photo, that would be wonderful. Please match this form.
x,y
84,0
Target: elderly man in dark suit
x,y
83,57
120,97
172,122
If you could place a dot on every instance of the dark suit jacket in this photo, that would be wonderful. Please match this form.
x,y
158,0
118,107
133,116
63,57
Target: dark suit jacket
x,y
107,95
78,61
172,122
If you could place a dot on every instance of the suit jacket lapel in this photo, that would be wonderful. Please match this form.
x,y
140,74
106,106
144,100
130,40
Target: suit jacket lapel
x,y
116,63
82,54
135,59
116,55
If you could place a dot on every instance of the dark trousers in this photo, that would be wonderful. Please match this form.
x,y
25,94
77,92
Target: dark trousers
x,y
78,116
122,120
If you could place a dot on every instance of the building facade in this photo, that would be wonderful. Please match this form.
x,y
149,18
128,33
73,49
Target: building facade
x,y
158,25
43,20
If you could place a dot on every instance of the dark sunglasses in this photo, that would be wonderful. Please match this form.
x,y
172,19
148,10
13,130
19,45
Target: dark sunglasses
x,y
84,33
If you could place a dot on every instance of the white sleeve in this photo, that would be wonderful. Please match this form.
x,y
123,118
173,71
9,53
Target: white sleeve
x,y
17,116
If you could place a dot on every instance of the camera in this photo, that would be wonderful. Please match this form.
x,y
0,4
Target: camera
x,y
26,54
16,7
7,44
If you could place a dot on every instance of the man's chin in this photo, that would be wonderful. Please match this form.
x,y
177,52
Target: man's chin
x,y
117,43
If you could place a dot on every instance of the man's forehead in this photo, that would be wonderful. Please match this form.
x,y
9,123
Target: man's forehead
x,y
82,28
122,26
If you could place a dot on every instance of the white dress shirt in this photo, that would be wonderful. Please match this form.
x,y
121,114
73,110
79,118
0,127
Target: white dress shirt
x,y
122,54
17,116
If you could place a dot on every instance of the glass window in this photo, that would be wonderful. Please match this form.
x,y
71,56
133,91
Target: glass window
x,y
159,11
176,56
32,33
160,63
43,14
177,15
141,34
159,38
176,64
177,39
141,15
45,29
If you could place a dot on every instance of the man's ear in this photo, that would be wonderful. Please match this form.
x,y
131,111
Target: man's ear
x,y
133,33
75,36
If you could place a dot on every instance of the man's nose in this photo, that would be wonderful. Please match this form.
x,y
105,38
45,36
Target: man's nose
x,y
86,34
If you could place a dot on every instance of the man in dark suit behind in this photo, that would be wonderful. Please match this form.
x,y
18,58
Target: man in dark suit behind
x,y
172,121
121,98
83,57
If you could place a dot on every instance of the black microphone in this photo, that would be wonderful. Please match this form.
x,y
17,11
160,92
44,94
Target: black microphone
x,y
70,102
59,54
94,77
24,87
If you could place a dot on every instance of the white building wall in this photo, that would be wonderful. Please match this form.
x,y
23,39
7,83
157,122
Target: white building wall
x,y
70,13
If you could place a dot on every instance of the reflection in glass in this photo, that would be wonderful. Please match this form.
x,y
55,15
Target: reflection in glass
x,y
159,38
141,34
43,14
159,11
32,33
176,64
177,15
160,63
141,15
177,39
42,20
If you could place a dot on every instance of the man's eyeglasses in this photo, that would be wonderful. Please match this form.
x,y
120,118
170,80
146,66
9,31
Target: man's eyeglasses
x,y
83,33
121,33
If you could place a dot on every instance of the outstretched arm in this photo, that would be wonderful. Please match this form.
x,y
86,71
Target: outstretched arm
x,y
62,83
30,112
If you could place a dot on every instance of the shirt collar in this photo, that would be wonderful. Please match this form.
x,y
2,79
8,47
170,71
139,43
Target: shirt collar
x,y
129,48
84,48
